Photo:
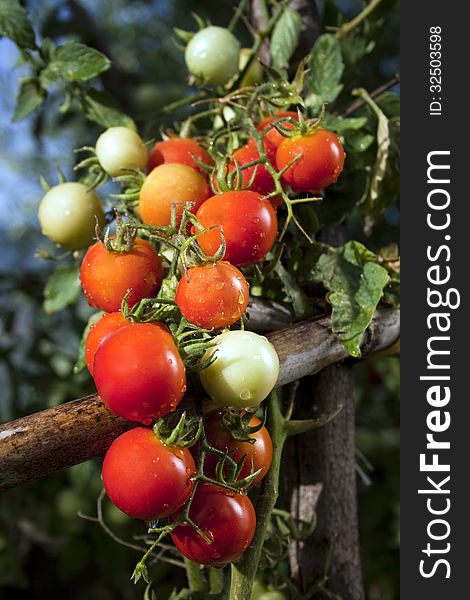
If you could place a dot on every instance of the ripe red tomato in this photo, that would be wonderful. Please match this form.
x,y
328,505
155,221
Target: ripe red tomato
x,y
98,332
227,518
262,181
249,222
273,138
321,162
213,295
260,453
139,373
178,150
169,184
145,478
107,276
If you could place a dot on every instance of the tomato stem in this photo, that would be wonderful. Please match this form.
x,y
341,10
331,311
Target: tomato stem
x,y
244,571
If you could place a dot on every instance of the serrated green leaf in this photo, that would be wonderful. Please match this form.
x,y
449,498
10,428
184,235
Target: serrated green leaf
x,y
81,362
15,24
62,288
356,283
326,69
74,61
102,108
372,204
30,96
285,37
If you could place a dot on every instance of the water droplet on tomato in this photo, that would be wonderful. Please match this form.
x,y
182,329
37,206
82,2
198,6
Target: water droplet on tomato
x,y
245,395
220,285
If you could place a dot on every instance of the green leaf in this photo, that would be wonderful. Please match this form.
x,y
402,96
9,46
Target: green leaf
x,y
285,37
372,203
355,282
81,362
342,124
359,141
15,24
300,301
326,69
389,103
30,96
102,108
74,61
62,288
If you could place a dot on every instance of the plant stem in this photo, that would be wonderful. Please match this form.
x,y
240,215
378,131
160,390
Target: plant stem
x,y
237,15
350,25
244,571
196,580
216,580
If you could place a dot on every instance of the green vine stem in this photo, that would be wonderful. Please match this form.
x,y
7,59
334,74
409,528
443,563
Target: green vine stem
x,y
244,571
350,25
196,580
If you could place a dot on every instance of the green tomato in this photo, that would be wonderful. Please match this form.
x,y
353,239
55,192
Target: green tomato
x,y
68,214
212,55
121,148
261,592
245,370
254,75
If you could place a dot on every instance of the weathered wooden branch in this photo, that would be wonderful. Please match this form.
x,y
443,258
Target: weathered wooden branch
x,y
321,481
77,431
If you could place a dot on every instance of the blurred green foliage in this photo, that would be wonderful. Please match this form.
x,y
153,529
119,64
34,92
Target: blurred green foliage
x,y
46,550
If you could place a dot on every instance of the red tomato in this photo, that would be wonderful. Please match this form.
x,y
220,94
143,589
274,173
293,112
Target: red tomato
x,y
260,453
107,276
227,518
273,138
178,150
213,295
321,162
145,478
249,223
262,182
98,332
139,373
167,185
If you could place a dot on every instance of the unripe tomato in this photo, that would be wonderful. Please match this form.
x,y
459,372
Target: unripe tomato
x,y
213,295
227,518
98,332
245,370
139,373
68,215
254,75
145,478
212,55
107,276
273,138
249,223
321,162
178,150
259,454
120,148
170,184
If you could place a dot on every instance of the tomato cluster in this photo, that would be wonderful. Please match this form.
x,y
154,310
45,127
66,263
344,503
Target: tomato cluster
x,y
171,281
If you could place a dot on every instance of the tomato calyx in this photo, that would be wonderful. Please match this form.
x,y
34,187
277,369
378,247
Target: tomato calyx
x,y
184,434
238,424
